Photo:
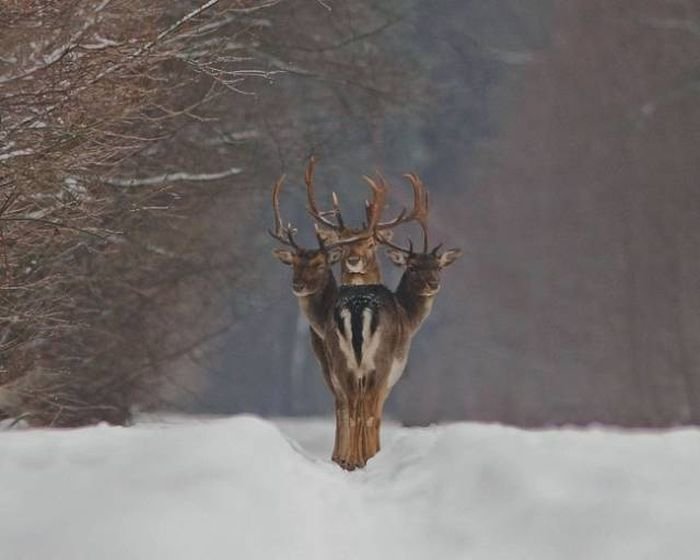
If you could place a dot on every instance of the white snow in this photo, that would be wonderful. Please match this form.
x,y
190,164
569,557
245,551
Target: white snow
x,y
245,488
15,153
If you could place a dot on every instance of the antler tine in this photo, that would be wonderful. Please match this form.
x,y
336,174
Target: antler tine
x,y
319,238
385,241
316,214
419,213
436,249
336,211
282,234
420,206
375,208
276,203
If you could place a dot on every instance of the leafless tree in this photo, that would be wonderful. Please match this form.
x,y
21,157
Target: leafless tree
x,y
128,136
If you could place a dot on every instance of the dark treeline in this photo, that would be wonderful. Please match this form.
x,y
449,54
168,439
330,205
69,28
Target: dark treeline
x,y
560,142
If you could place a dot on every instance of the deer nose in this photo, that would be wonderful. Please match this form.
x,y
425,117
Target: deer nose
x,y
353,260
297,286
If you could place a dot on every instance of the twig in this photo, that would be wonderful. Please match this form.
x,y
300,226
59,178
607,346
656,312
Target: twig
x,y
170,178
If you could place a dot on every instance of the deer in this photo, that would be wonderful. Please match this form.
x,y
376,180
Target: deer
x,y
384,357
313,282
360,333
316,289
361,298
375,328
420,282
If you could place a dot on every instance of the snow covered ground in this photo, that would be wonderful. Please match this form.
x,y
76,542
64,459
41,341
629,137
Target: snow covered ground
x,y
245,488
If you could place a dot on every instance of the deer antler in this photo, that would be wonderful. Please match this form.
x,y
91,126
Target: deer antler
x,y
374,209
385,241
316,214
281,233
419,214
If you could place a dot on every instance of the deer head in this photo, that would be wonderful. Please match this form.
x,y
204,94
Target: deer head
x,y
422,276
422,269
359,263
311,267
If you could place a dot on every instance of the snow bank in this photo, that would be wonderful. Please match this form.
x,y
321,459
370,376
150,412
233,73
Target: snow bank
x,y
244,488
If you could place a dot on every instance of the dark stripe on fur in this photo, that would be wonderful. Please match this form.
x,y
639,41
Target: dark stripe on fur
x,y
356,299
357,340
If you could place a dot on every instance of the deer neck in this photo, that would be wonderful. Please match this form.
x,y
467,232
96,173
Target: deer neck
x,y
315,306
417,306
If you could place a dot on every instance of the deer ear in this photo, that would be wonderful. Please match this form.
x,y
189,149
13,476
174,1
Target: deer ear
x,y
334,255
397,257
388,235
286,256
448,257
326,235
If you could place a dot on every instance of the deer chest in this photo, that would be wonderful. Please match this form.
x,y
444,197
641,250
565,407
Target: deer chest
x,y
358,319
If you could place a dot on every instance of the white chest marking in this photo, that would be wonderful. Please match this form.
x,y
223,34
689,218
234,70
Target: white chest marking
x,y
370,343
345,339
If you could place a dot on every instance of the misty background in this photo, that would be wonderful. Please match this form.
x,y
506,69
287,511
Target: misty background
x,y
560,142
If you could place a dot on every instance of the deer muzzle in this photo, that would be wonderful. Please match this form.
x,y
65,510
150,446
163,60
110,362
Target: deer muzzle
x,y
355,264
430,289
301,289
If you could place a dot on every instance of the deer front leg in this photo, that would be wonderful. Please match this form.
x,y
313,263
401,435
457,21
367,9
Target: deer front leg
x,y
355,455
341,448
356,425
352,448
371,419
365,423
378,405
372,422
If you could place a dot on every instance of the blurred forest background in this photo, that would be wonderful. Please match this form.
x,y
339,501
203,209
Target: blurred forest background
x,y
560,142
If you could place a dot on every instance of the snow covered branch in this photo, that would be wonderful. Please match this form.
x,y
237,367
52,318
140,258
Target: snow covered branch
x,y
170,178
